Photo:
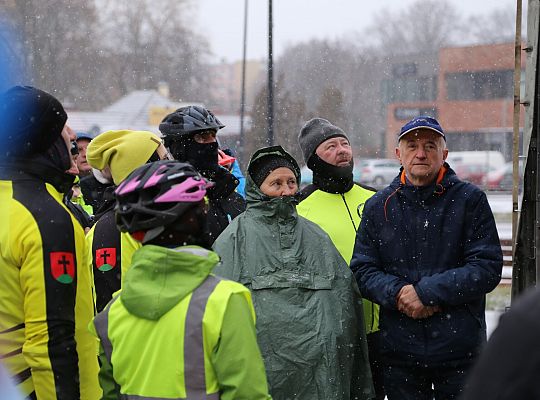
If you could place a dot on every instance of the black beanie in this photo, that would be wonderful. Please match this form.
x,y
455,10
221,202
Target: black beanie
x,y
262,167
314,132
30,121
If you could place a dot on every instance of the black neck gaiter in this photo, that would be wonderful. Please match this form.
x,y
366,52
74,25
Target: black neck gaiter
x,y
204,158
329,178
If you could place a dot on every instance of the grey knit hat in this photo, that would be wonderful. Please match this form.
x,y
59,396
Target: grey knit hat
x,y
314,132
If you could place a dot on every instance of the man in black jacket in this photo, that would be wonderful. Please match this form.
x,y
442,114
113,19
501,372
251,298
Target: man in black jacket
x,y
190,134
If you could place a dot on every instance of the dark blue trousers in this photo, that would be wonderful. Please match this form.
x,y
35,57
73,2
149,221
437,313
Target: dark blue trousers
x,y
422,382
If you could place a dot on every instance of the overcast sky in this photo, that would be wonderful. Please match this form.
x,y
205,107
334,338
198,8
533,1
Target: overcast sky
x,y
221,21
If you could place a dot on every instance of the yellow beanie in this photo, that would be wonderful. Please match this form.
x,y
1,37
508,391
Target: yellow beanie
x,y
123,151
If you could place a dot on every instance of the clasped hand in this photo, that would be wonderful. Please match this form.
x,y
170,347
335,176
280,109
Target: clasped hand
x,y
410,304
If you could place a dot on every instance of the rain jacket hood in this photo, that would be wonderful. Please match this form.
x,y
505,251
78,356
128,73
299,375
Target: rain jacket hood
x,y
262,206
160,277
307,303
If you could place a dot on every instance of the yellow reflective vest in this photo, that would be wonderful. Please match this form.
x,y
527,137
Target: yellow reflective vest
x,y
339,216
175,331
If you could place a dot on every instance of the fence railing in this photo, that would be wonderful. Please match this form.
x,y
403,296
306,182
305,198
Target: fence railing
x,y
506,245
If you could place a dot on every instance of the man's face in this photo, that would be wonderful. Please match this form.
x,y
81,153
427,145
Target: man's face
x,y
335,151
82,164
422,153
69,136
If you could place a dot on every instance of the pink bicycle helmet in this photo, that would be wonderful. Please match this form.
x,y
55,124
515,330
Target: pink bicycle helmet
x,y
156,195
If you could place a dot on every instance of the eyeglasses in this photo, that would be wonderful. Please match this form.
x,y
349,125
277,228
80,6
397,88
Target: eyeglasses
x,y
163,153
74,148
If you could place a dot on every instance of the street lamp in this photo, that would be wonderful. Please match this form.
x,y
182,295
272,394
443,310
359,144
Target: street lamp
x,y
270,106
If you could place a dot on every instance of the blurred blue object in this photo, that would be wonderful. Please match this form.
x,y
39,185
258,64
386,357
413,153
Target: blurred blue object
x,y
8,390
10,70
237,172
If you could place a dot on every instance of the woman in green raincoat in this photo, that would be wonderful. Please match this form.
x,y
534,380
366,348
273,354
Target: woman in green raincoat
x,y
309,310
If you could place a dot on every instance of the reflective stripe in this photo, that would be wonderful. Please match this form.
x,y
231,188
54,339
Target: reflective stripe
x,y
193,343
193,340
196,251
213,396
101,322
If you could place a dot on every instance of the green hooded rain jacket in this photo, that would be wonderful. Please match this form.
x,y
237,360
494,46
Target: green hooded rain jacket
x,y
310,325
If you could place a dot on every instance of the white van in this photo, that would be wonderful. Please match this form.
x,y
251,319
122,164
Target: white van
x,y
489,159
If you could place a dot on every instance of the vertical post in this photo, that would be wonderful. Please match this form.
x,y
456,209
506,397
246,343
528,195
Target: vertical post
x,y
243,89
515,137
270,105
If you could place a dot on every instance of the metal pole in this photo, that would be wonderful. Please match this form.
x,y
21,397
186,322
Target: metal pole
x,y
243,90
270,106
515,138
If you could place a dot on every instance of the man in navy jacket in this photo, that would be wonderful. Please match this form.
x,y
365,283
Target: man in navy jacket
x,y
428,252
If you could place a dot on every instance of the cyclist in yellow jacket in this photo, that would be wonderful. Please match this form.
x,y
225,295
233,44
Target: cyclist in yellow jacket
x,y
175,331
327,152
45,291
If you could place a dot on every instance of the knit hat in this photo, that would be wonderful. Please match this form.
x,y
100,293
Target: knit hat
x,y
123,151
262,167
314,132
30,121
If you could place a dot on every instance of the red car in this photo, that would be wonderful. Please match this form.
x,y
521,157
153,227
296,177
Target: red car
x,y
501,179
473,173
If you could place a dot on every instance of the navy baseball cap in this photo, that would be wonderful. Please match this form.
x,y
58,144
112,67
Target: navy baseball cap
x,y
84,135
422,122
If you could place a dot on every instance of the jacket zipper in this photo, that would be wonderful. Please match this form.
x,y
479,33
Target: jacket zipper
x,y
354,226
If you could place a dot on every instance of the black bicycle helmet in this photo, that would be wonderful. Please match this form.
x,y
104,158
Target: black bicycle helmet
x,y
156,195
189,120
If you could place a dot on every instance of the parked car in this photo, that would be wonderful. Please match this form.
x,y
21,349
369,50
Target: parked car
x,y
501,178
473,173
491,159
306,176
378,172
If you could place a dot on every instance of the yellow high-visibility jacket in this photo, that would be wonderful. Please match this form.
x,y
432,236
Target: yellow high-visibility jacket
x,y
45,294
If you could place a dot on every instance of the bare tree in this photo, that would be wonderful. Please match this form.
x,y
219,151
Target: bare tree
x,y
289,117
148,41
330,106
424,26
338,80
51,41
497,27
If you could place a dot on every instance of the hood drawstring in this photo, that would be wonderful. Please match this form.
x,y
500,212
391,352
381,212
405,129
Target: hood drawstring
x,y
401,184
439,188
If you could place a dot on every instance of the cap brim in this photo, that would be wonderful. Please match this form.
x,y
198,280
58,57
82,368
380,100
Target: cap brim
x,y
421,127
87,137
